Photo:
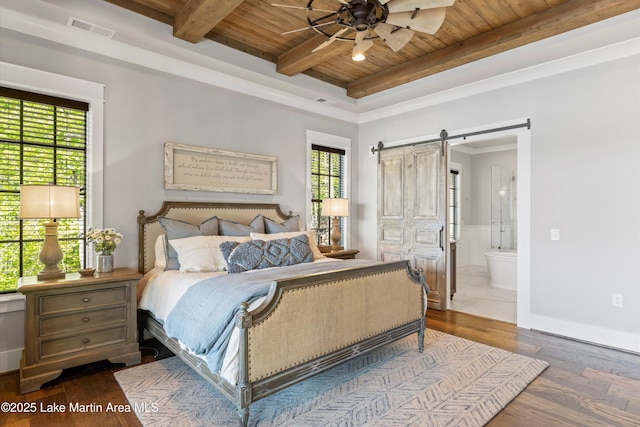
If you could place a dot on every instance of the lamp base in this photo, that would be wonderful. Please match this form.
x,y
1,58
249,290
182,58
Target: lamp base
x,y
335,235
51,254
50,274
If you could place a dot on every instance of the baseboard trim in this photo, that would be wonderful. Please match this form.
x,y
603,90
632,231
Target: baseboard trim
x,y
603,337
10,360
587,342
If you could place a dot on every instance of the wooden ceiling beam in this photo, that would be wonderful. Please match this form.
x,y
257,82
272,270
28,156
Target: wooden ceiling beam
x,y
198,17
300,58
550,22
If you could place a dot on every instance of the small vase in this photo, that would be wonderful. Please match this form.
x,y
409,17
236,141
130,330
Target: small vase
x,y
104,263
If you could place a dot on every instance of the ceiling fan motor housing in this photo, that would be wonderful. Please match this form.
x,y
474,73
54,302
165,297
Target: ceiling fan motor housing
x,y
365,14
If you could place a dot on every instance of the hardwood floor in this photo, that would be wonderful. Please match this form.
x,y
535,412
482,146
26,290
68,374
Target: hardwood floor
x,y
585,385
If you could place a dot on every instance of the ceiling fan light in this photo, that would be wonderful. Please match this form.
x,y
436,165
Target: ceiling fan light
x,y
361,45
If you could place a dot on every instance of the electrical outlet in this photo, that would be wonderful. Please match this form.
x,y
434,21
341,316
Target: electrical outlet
x,y
617,300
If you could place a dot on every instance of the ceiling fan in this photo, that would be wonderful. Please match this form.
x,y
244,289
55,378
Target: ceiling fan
x,y
362,21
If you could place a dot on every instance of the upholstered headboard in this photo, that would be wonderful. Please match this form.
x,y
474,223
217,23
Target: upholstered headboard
x,y
195,212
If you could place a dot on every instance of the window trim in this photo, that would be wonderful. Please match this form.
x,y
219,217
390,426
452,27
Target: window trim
x,y
31,80
26,109
330,141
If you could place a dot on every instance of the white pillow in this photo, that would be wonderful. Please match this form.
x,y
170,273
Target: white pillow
x,y
160,253
200,254
289,234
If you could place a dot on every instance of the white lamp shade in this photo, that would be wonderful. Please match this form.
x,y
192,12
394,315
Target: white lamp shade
x,y
49,201
335,207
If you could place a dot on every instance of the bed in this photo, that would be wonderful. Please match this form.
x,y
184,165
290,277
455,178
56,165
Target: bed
x,y
304,324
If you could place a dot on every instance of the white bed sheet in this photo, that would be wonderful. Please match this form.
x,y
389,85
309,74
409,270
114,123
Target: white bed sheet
x,y
162,289
159,292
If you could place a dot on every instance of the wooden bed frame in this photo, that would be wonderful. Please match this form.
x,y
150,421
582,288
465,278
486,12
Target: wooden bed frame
x,y
307,324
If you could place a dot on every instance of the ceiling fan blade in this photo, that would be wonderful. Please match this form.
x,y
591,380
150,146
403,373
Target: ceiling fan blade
x,y
304,8
394,39
361,45
331,39
411,5
426,21
310,27
432,3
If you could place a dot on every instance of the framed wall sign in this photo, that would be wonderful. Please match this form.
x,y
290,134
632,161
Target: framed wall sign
x,y
188,167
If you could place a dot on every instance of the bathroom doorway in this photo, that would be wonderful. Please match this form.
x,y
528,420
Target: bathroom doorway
x,y
487,224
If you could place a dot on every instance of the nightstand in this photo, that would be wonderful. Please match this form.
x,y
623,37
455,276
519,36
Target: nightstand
x,y
77,320
342,254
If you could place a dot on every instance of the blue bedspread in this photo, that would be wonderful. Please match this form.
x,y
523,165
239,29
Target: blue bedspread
x,y
203,318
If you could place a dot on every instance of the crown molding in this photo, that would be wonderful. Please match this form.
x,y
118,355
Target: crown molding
x,y
195,66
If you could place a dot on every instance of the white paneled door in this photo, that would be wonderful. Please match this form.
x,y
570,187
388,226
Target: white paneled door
x,y
412,190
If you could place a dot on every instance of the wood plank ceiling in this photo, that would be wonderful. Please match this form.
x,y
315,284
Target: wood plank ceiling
x,y
473,29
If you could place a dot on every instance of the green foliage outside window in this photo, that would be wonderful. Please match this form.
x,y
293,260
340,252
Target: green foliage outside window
x,y
40,143
327,180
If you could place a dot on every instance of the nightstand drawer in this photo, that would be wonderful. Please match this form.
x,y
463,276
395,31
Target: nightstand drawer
x,y
83,320
83,342
50,304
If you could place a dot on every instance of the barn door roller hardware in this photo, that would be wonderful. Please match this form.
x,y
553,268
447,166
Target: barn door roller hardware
x,y
444,136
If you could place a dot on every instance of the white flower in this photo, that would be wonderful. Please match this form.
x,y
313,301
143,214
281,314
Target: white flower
x,y
104,240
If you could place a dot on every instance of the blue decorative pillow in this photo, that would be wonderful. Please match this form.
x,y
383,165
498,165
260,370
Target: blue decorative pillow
x,y
289,225
177,229
258,254
232,228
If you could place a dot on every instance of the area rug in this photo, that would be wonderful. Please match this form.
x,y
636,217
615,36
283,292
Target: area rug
x,y
454,382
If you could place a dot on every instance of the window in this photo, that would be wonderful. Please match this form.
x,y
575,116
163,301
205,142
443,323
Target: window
x,y
454,207
43,140
327,180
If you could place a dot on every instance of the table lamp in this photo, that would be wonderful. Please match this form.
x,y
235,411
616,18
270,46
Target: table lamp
x,y
336,208
49,202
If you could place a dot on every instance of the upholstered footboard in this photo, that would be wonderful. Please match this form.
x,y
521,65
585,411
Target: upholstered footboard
x,y
311,323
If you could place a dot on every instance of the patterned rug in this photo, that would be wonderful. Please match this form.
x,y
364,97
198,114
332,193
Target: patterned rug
x,y
455,382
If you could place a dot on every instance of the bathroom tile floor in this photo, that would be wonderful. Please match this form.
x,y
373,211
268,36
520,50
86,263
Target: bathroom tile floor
x,y
474,295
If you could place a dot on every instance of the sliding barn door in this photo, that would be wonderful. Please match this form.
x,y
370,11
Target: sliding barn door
x,y
412,213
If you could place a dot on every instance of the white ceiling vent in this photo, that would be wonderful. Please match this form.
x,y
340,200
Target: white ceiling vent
x,y
322,100
92,28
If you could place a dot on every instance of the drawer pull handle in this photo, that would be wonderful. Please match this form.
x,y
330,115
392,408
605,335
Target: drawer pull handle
x,y
85,340
86,299
85,319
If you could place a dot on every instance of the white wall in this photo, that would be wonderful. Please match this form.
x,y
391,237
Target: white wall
x,y
585,164
145,108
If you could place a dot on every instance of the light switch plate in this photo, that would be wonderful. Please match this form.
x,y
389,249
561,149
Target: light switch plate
x,y
555,234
